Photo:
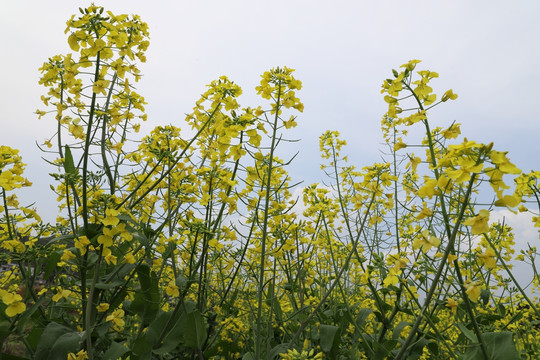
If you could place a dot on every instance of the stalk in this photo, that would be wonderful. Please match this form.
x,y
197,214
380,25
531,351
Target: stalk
x,y
260,288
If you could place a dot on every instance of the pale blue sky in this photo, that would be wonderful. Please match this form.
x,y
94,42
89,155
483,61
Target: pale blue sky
x,y
487,51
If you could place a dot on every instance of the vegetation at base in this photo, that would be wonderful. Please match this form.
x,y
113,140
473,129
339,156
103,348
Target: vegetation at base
x,y
176,247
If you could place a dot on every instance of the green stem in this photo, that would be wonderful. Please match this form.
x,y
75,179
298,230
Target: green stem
x,y
260,287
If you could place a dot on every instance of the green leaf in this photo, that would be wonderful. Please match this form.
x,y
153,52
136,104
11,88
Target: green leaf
x,y
499,346
143,272
4,329
110,285
21,324
34,336
181,282
468,333
399,328
52,261
484,296
196,337
362,316
383,350
278,349
327,335
156,327
277,310
174,337
56,342
146,300
69,165
367,344
5,356
116,351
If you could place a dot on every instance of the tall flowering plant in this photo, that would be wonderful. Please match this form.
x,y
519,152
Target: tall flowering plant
x,y
174,247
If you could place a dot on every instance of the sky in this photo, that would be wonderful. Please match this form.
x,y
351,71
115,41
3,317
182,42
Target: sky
x,y
486,51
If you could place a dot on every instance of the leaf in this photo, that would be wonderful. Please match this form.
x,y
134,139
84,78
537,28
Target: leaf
x,y
156,327
399,328
175,336
362,316
116,351
4,329
383,350
468,333
277,310
5,356
367,344
56,342
52,261
327,334
484,296
196,334
34,336
21,324
143,272
110,285
499,346
146,301
69,165
278,349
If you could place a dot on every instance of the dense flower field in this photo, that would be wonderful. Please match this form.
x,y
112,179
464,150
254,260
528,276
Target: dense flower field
x,y
168,247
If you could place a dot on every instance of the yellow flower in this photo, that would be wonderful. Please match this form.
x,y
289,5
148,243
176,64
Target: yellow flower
x,y
82,243
214,243
129,259
108,256
411,64
61,293
67,255
488,258
452,304
449,94
14,302
444,183
259,111
10,181
100,87
291,123
77,131
473,291
110,218
510,201
102,307
107,237
451,258
413,163
117,147
81,355
9,298
392,278
503,164
73,42
428,189
399,145
452,132
116,319
172,289
463,174
478,223
425,241
15,309
425,212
